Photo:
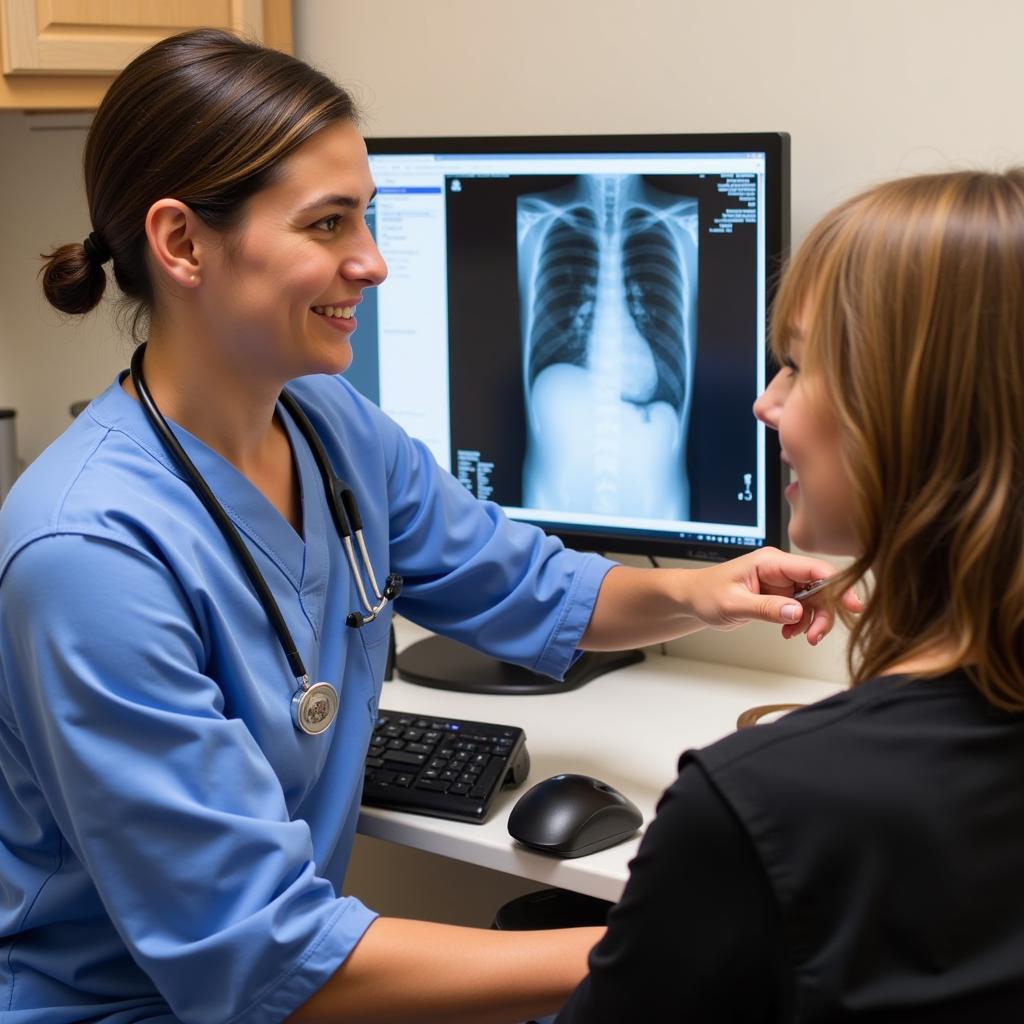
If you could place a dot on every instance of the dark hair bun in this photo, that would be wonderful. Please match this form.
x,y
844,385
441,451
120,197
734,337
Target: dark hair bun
x,y
73,283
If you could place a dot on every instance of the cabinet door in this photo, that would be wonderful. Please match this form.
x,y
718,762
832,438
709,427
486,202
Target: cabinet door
x,y
65,52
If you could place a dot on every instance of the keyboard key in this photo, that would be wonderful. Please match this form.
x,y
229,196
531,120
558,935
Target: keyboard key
x,y
490,775
382,778
420,748
374,762
403,780
412,734
433,785
459,789
404,757
396,744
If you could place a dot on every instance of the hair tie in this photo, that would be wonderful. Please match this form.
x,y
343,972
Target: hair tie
x,y
96,250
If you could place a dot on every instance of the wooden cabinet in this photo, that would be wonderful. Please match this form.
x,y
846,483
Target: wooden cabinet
x,y
62,54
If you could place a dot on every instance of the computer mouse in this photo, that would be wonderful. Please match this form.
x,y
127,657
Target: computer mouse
x,y
573,815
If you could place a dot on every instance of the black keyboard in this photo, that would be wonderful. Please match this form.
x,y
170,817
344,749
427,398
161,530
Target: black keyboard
x,y
444,767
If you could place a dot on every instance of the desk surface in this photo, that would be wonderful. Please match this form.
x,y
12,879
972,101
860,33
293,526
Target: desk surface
x,y
627,728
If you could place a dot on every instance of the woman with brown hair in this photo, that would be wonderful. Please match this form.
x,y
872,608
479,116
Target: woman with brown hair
x,y
184,710
860,859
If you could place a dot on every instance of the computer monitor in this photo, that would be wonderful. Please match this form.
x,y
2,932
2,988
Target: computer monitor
x,y
576,328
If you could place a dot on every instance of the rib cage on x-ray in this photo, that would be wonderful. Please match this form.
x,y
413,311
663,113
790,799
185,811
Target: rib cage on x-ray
x,y
608,285
655,296
563,310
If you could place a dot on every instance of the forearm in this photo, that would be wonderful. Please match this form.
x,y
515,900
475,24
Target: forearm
x,y
416,972
636,607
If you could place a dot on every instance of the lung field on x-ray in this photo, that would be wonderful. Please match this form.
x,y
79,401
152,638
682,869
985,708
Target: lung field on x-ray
x,y
607,269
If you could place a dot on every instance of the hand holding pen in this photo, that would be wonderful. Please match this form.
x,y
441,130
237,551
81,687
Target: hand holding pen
x,y
773,586
812,613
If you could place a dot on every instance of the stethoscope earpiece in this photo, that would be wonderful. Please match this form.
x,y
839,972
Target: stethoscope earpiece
x,y
392,589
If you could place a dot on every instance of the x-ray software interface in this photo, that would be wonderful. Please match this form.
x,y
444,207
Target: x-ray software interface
x,y
578,336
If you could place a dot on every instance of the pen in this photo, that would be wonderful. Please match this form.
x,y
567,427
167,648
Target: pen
x,y
811,589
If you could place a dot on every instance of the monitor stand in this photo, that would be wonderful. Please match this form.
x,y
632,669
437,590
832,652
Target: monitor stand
x,y
448,665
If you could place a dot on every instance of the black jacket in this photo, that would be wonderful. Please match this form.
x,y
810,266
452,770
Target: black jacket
x,y
860,860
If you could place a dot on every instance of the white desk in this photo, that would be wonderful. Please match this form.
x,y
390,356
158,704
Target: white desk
x,y
627,728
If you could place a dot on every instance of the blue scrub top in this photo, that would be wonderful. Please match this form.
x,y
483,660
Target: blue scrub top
x,y
171,847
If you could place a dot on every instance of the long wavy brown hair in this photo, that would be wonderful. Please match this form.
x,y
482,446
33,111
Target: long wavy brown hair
x,y
911,302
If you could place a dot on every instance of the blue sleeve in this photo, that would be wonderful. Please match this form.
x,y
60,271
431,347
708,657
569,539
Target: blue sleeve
x,y
472,574
171,806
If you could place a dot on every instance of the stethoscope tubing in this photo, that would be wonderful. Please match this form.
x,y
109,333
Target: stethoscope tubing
x,y
340,499
349,523
220,517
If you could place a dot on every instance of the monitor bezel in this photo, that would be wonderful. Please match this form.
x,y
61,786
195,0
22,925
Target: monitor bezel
x,y
776,149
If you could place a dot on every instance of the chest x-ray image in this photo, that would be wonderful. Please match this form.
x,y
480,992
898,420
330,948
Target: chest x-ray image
x,y
607,269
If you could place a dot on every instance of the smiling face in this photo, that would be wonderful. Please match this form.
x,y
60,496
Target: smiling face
x,y
795,403
282,292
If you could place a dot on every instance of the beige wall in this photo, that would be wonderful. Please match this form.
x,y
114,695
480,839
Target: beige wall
x,y
868,90
47,361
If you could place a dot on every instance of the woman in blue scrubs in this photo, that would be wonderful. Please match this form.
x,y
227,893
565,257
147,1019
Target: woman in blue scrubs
x,y
172,847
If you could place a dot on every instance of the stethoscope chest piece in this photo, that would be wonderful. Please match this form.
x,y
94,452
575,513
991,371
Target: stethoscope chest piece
x,y
314,708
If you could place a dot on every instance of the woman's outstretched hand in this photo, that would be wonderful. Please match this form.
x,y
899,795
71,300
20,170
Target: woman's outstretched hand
x,y
636,607
760,586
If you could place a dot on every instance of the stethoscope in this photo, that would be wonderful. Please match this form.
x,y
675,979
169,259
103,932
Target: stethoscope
x,y
314,707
